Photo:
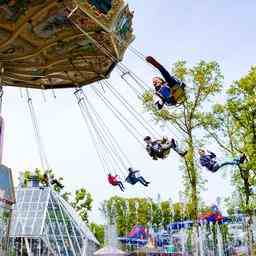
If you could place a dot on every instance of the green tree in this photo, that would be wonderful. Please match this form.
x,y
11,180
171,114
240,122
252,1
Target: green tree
x,y
178,212
132,213
121,213
204,82
233,126
157,217
26,177
143,211
127,212
98,231
166,213
82,203
117,214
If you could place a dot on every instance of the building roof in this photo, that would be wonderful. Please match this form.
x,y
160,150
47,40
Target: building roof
x,y
42,213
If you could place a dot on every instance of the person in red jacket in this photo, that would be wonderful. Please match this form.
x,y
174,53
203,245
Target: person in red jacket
x,y
113,180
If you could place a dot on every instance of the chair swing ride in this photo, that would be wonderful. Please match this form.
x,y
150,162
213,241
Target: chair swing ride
x,y
65,44
69,44
53,44
61,44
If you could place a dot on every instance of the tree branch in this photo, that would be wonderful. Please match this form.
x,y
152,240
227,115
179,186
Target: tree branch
x,y
216,138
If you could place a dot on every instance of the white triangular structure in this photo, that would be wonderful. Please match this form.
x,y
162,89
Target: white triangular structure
x,y
110,251
44,224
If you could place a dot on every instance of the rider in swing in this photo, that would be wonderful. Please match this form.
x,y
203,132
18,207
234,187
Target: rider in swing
x,y
161,148
134,177
114,181
208,160
166,89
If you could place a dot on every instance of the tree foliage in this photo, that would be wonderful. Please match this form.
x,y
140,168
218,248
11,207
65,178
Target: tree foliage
x,y
127,212
82,203
233,126
98,231
204,81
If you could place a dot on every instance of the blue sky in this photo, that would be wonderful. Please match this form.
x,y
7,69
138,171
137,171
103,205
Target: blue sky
x,y
170,30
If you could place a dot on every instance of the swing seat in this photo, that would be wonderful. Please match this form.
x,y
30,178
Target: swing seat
x,y
131,181
156,98
178,93
178,96
165,154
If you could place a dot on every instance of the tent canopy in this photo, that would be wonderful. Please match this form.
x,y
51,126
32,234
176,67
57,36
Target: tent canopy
x,y
110,251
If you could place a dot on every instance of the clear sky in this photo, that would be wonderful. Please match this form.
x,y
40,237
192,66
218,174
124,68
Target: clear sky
x,y
170,30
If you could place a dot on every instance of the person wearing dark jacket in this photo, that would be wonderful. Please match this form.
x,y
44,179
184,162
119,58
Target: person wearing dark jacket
x,y
165,89
113,180
57,183
161,148
46,180
134,177
209,161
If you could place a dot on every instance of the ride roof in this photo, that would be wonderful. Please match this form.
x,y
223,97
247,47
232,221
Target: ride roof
x,y
61,44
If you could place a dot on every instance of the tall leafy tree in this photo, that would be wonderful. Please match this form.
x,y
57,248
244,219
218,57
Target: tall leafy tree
x,y
98,231
143,211
127,212
157,215
166,213
204,80
82,203
233,126
117,214
132,213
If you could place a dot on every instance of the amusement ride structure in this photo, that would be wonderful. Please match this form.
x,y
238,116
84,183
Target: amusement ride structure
x,y
70,44
54,45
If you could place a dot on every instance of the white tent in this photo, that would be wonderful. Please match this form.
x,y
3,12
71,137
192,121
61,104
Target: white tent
x,y
147,251
45,224
110,251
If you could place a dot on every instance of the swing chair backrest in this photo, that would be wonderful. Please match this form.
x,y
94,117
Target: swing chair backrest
x,y
131,181
166,153
179,94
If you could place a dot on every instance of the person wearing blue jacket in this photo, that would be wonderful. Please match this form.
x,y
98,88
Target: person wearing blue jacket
x,y
134,177
164,89
209,161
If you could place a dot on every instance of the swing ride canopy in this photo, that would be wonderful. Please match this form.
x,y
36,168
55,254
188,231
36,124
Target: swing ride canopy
x,y
60,44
